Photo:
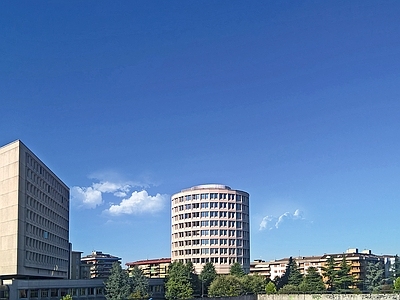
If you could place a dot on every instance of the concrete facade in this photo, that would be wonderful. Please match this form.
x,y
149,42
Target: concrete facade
x,y
210,223
34,217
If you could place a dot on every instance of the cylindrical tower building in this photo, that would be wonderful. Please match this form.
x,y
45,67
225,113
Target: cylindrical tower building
x,y
210,223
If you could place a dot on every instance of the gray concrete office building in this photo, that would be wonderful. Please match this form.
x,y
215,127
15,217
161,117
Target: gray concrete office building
x,y
34,217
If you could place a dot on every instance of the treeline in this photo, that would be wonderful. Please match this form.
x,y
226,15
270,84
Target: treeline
x,y
182,281
335,277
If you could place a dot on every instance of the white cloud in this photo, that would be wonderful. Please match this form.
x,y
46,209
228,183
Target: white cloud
x,y
94,195
138,202
272,222
87,196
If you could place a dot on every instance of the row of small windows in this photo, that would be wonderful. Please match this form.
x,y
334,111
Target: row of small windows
x,y
212,242
216,260
43,173
216,232
216,223
58,292
211,205
32,190
61,239
211,214
206,196
44,210
42,246
230,242
45,259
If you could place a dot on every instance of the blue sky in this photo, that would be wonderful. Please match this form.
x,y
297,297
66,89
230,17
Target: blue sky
x,y
295,102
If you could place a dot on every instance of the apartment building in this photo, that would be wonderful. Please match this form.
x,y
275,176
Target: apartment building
x,y
100,264
210,223
151,268
34,217
358,261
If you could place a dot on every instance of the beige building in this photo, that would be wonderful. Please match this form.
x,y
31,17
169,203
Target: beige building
x,y
357,260
210,223
151,268
34,217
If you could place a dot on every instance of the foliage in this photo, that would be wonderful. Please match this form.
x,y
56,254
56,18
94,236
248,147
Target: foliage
x,y
330,273
295,277
236,270
207,275
179,281
66,297
374,277
226,286
312,281
139,284
117,285
397,284
289,289
253,284
270,288
344,280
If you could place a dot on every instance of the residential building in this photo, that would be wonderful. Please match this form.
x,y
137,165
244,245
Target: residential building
x,y
100,264
210,223
34,217
151,268
358,261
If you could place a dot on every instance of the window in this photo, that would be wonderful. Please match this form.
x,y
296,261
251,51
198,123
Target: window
x,y
204,205
204,196
204,232
213,214
213,241
213,204
205,241
223,241
204,223
205,250
213,223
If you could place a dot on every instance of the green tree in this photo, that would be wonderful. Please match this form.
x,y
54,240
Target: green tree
x,y
253,284
295,277
226,286
270,288
66,297
139,284
312,281
330,273
117,286
207,275
374,276
283,280
344,279
289,289
236,270
397,285
194,278
179,285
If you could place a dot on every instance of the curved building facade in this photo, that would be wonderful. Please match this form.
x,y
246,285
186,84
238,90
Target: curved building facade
x,y
210,223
